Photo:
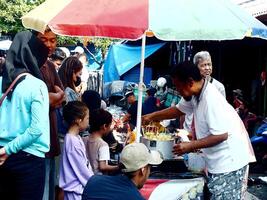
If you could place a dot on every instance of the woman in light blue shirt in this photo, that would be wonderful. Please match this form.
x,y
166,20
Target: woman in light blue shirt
x,y
70,75
24,121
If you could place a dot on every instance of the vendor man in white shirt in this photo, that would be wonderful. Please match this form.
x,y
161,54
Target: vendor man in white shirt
x,y
220,133
202,60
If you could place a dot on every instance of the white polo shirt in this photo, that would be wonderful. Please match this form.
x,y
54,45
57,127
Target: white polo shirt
x,y
219,86
213,115
188,118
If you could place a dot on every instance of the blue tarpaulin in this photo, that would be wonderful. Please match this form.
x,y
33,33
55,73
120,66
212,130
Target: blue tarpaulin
x,y
121,58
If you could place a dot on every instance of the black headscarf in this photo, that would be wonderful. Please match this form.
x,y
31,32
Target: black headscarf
x,y
27,53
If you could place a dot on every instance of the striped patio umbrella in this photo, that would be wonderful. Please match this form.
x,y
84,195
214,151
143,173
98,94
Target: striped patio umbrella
x,y
168,20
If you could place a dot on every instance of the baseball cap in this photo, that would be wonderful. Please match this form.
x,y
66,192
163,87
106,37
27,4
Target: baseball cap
x,y
78,49
127,94
238,92
136,155
66,51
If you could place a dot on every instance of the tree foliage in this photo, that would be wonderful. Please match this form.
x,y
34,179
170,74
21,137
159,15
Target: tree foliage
x,y
101,44
10,24
66,40
12,11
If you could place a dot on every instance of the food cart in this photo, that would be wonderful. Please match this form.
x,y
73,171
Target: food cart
x,y
181,176
174,174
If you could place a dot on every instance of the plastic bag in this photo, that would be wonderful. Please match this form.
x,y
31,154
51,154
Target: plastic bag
x,y
196,162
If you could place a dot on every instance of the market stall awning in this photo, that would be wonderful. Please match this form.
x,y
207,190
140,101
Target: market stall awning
x,y
255,7
121,58
168,20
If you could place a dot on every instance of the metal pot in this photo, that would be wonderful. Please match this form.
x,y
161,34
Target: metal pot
x,y
165,147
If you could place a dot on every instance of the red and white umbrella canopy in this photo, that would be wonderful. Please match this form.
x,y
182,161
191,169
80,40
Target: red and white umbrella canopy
x,y
103,18
129,19
172,20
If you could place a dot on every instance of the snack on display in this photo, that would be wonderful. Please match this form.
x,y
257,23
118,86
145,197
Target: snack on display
x,y
158,137
121,131
131,137
155,131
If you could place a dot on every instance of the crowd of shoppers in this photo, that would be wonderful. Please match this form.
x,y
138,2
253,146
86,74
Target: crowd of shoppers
x,y
40,85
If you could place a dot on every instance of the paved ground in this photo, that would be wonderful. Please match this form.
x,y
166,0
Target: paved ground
x,y
258,190
256,187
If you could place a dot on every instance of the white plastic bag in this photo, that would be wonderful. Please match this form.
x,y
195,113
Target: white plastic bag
x,y
196,162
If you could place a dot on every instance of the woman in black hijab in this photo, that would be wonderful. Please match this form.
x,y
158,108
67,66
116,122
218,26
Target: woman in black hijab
x,y
24,122
26,54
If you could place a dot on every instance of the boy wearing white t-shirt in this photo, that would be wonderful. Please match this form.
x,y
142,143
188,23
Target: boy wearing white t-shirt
x,y
97,149
220,132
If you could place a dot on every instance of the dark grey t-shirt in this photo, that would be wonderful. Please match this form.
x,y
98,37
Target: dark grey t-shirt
x,y
102,187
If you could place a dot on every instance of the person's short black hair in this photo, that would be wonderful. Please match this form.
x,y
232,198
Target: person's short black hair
x,y
130,175
184,71
34,32
58,54
128,94
92,99
98,118
151,91
74,110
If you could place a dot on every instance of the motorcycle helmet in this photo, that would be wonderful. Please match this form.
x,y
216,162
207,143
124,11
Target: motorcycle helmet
x,y
161,82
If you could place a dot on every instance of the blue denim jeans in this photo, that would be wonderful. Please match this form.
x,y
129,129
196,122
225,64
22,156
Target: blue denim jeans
x,y
22,177
50,176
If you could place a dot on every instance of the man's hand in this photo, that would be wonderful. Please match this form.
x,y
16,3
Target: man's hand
x,y
3,156
60,93
146,119
182,148
209,141
168,113
56,98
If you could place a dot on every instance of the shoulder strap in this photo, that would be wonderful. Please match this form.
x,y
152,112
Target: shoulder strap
x,y
11,86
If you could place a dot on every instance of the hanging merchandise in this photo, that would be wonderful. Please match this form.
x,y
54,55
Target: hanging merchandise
x,y
95,81
180,51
